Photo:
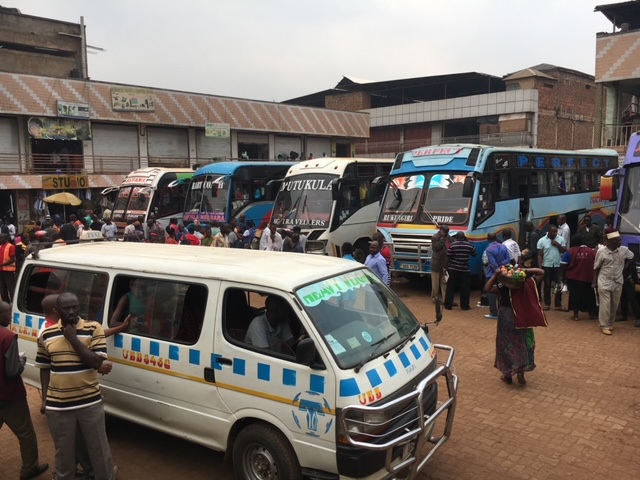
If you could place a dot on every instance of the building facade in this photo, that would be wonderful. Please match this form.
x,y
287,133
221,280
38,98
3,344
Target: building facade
x,y
617,75
59,130
543,106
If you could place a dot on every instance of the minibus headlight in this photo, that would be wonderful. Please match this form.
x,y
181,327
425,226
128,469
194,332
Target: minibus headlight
x,y
366,423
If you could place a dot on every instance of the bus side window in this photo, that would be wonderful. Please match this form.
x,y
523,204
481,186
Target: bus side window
x,y
555,182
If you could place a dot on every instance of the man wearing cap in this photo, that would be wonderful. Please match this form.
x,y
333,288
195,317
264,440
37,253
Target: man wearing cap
x,y
608,267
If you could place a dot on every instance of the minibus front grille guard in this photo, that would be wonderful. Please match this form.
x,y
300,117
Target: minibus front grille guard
x,y
412,436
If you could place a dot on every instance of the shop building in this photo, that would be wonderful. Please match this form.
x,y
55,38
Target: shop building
x,y
60,130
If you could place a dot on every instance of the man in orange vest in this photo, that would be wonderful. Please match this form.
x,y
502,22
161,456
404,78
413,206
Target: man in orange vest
x,y
7,268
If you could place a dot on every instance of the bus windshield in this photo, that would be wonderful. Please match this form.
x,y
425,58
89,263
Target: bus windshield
x,y
304,200
426,198
131,203
630,202
208,198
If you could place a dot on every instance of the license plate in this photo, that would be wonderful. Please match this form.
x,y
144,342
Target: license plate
x,y
408,266
407,450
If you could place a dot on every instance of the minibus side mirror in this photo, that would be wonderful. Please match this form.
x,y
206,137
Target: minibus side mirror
x,y
307,354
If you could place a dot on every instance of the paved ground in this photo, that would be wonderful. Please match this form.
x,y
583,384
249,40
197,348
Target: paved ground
x,y
578,417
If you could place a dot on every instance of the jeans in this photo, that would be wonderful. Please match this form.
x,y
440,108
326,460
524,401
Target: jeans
x,y
552,274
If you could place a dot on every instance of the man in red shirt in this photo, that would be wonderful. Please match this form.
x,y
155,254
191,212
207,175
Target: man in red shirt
x,y
7,268
14,409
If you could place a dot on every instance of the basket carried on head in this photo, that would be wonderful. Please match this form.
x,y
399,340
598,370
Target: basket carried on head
x,y
512,282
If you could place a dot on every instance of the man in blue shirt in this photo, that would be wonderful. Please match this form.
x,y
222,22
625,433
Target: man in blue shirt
x,y
497,255
550,250
377,263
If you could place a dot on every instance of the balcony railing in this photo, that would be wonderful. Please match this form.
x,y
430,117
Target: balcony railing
x,y
617,134
517,139
45,164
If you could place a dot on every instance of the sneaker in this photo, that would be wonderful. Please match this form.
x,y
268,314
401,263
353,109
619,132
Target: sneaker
x,y
606,331
491,317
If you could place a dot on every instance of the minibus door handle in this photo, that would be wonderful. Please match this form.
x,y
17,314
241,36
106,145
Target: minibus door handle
x,y
224,361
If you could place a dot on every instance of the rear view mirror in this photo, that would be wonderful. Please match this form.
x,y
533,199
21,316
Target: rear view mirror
x,y
307,354
469,186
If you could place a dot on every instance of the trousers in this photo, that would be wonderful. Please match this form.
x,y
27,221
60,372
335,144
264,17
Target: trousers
x,y
90,420
552,274
462,282
609,301
438,285
16,415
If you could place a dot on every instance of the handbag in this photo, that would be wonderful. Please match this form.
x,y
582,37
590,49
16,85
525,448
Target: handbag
x,y
525,303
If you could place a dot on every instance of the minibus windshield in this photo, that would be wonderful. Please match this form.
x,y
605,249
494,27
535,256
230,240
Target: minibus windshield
x,y
358,316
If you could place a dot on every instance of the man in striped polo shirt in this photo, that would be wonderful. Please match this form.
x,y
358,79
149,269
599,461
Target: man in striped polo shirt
x,y
69,355
459,272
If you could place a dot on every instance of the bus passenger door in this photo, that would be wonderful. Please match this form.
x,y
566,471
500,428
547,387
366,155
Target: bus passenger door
x,y
525,204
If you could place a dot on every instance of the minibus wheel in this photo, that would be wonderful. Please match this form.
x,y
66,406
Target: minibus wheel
x,y
261,452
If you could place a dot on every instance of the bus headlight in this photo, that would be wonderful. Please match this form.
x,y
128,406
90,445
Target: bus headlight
x,y
317,247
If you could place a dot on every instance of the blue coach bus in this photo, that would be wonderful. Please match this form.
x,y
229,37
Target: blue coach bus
x,y
479,189
222,191
623,184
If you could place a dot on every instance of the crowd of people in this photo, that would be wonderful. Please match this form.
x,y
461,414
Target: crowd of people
x,y
591,268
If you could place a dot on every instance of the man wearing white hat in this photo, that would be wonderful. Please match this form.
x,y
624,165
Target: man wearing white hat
x,y
608,278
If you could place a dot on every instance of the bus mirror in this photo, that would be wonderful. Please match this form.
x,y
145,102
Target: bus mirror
x,y
379,186
607,188
468,187
336,184
273,187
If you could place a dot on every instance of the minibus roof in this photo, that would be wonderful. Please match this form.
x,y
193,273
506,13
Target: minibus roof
x,y
283,270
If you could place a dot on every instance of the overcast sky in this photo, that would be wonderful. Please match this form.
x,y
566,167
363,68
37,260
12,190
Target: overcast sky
x,y
280,49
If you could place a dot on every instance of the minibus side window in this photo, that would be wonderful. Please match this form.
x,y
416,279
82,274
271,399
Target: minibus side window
x,y
160,309
244,322
89,287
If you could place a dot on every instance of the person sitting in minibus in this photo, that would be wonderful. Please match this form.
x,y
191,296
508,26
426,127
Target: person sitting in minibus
x,y
271,329
134,304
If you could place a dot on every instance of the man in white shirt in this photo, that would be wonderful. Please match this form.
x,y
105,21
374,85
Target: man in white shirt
x,y
563,229
266,233
512,246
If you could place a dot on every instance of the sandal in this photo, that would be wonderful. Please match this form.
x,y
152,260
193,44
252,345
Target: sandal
x,y
507,380
521,380
575,317
546,307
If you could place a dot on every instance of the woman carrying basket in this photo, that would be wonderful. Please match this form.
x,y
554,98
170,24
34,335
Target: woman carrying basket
x,y
519,311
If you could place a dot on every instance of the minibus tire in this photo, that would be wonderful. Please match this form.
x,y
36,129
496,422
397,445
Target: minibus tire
x,y
261,446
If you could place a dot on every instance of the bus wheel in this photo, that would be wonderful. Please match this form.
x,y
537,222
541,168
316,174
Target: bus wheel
x,y
260,452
